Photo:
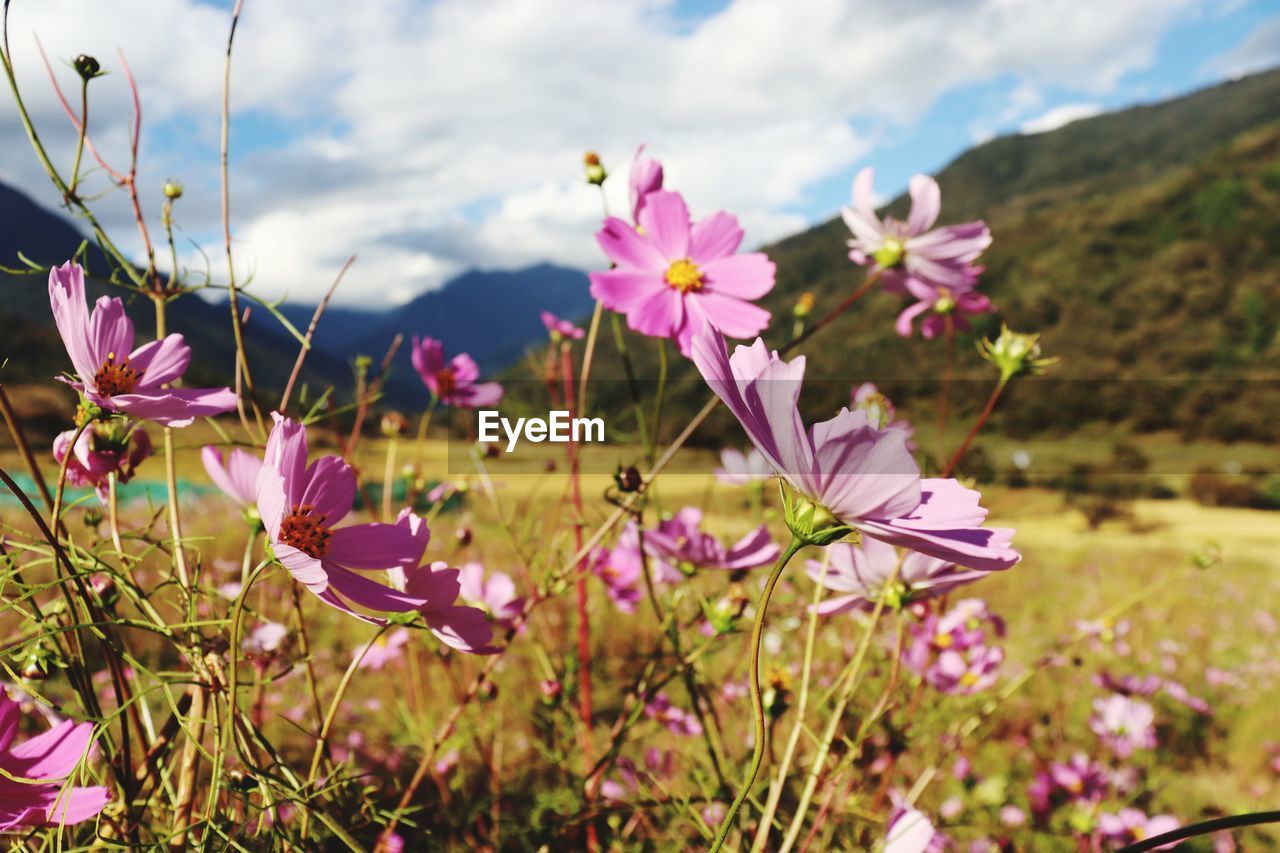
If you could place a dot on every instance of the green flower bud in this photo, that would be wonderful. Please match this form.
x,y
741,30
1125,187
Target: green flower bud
x,y
810,523
87,67
173,189
595,170
1015,354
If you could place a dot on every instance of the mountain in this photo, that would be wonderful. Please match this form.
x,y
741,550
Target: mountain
x,y
1144,245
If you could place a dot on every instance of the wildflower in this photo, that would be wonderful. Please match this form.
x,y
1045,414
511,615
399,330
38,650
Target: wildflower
x,y
674,719
908,255
265,639
99,452
1015,354
671,276
300,506
881,413
87,67
620,568
866,572
236,475
1011,815
645,178
560,330
845,473
453,382
1131,825
594,169
496,593
657,765
1124,724
941,304
1081,778
383,649
952,652
680,539
112,374
910,831
739,469
36,790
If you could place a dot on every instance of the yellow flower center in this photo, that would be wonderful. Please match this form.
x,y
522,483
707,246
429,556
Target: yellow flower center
x,y
890,253
306,531
683,275
968,679
112,378
942,641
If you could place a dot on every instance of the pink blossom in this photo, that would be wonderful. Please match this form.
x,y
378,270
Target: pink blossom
x,y
51,758
101,451
452,382
114,375
1011,815
1081,778
910,831
738,469
880,410
674,719
388,646
621,568
953,652
681,540
236,475
1131,825
495,593
561,329
671,276
265,639
1124,724
301,505
863,573
645,178
864,477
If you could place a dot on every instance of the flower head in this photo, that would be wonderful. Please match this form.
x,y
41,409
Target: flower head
x,y
48,759
620,568
102,450
301,506
673,718
1129,826
1081,778
113,374
739,469
953,652
672,276
846,474
495,593
865,572
560,330
452,382
939,304
645,178
1123,723
909,255
681,540
236,475
1015,354
910,831
387,647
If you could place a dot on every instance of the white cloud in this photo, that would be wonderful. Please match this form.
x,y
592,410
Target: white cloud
x,y
1058,116
1258,51
430,137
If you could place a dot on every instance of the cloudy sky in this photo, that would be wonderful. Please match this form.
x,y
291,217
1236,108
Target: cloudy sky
x,y
432,137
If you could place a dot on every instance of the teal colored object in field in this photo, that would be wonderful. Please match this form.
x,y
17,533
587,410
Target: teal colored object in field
x,y
146,491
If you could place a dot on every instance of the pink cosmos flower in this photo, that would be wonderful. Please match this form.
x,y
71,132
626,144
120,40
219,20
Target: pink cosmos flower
x,y
1081,778
301,505
626,781
645,178
953,651
384,649
864,477
452,382
561,329
909,251
940,304
98,454
265,639
910,831
236,476
621,569
863,572
674,719
1124,724
51,758
680,539
495,593
1131,825
738,469
466,629
880,410
671,277
114,375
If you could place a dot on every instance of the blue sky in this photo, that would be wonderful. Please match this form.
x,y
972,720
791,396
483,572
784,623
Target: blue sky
x,y
431,137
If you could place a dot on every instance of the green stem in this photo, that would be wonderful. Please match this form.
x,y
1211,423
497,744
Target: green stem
x,y
757,701
84,130
621,344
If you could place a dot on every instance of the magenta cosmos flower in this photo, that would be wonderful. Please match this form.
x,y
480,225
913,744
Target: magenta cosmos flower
x,y
673,718
560,329
51,758
236,475
939,305
1131,825
100,454
863,573
301,505
911,831
681,541
621,569
386,648
739,469
495,593
452,382
909,251
1123,723
854,474
645,178
671,277
114,375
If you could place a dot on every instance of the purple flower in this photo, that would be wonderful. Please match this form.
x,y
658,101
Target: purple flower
x,y
452,382
383,649
863,573
645,178
621,569
675,719
680,540
910,831
496,593
51,758
1131,825
671,276
965,672
301,505
1081,778
265,639
1124,724
909,252
738,469
114,375
953,652
941,304
102,450
560,329
855,474
880,410
236,476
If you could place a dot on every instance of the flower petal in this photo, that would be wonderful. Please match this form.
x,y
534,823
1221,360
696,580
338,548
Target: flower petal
x,y
926,204
329,488
748,276
176,407
161,361
623,245
665,219
717,236
374,546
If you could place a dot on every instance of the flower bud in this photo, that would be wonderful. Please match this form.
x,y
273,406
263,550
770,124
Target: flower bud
x,y
87,67
810,523
394,424
804,305
552,690
595,170
777,692
628,479
173,189
1014,354
464,536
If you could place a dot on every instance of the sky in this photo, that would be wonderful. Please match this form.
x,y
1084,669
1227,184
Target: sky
x,y
428,137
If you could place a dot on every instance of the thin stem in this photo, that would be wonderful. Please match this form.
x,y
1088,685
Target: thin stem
x,y
55,514
862,290
621,343
757,701
975,429
84,129
113,515
322,739
944,394
389,477
311,331
24,449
